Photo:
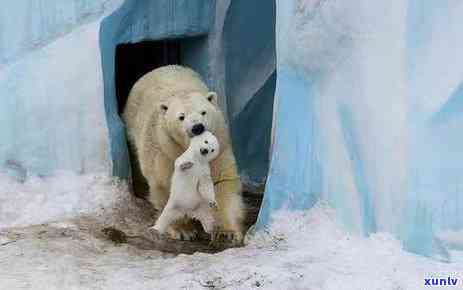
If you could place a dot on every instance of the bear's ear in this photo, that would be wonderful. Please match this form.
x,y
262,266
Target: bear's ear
x,y
163,108
212,97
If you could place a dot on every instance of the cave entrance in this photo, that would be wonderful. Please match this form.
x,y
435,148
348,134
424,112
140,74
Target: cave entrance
x,y
132,61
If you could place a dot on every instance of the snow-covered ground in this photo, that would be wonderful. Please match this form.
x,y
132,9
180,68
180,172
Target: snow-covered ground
x,y
65,195
60,249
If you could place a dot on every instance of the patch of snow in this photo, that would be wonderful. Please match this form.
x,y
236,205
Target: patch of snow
x,y
452,239
65,195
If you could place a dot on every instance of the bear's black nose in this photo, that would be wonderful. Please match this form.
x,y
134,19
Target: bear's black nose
x,y
203,151
197,129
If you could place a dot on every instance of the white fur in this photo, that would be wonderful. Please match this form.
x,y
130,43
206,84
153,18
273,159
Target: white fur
x,y
158,138
192,189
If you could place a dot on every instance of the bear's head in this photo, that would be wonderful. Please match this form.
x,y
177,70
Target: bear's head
x,y
205,146
190,115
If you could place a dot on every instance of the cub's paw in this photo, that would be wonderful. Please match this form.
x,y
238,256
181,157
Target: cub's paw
x,y
156,233
186,165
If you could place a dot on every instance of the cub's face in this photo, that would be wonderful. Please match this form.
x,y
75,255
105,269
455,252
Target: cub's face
x,y
191,116
205,146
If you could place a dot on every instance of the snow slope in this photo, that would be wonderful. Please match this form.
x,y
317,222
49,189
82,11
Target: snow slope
x,y
313,252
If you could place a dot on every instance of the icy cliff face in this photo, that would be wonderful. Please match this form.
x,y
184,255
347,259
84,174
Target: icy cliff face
x,y
51,113
368,108
52,116
29,24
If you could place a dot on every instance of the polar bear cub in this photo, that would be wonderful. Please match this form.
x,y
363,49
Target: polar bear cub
x,y
192,189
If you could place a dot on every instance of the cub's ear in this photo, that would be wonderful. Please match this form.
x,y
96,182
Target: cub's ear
x,y
163,108
186,165
212,97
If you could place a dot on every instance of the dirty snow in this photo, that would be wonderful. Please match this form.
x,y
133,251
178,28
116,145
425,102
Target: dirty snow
x,y
302,250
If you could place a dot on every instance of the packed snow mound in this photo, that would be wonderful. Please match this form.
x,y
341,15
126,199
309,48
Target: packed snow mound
x,y
65,195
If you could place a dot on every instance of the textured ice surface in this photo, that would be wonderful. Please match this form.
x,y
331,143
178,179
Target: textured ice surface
x,y
301,251
250,83
368,115
30,24
52,113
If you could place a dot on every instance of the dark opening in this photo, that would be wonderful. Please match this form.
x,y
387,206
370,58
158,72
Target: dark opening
x,y
135,60
132,62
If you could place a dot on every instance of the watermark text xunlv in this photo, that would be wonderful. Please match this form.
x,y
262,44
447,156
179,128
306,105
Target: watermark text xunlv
x,y
441,281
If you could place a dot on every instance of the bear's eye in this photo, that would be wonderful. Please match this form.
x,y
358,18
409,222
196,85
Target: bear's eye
x,y
181,118
206,142
203,113
212,150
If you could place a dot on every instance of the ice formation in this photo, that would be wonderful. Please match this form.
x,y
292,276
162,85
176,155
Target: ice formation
x,y
368,116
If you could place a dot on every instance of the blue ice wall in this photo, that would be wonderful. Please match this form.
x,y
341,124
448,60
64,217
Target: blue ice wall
x,y
30,24
135,21
368,116
251,126
249,44
51,115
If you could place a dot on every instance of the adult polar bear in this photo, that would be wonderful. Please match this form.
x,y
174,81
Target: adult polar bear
x,y
165,108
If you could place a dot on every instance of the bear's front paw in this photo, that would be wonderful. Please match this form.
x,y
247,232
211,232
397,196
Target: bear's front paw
x,y
184,232
226,239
